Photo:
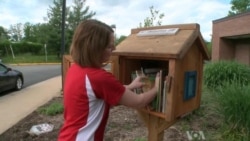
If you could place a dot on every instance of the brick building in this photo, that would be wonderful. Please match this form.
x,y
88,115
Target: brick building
x,y
231,38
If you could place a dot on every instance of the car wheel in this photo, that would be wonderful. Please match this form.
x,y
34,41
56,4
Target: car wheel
x,y
19,83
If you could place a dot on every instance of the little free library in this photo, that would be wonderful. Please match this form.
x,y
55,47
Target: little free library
x,y
178,52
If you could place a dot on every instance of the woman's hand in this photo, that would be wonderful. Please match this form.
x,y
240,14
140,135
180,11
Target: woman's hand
x,y
136,83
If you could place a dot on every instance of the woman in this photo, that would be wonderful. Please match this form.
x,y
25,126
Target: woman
x,y
89,90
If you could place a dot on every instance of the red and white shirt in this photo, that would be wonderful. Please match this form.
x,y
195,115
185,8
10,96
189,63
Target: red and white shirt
x,y
88,95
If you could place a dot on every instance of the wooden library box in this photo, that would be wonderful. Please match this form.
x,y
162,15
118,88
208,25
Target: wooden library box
x,y
178,52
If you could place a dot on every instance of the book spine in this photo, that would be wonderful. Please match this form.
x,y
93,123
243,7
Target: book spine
x,y
159,99
164,97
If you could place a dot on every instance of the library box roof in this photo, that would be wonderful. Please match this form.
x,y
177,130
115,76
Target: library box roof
x,y
170,41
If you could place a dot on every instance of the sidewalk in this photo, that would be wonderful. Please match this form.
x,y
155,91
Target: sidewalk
x,y
17,105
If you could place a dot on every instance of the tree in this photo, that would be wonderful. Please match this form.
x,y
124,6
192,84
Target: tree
x,y
3,34
154,20
38,33
239,6
28,30
72,17
54,24
50,33
120,39
41,33
16,32
76,15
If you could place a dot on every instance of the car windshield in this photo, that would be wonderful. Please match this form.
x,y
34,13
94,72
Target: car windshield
x,y
2,68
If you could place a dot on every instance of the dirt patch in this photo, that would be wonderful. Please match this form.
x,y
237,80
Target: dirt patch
x,y
123,125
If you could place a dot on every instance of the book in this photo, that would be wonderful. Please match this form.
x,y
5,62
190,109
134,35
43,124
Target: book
x,y
164,97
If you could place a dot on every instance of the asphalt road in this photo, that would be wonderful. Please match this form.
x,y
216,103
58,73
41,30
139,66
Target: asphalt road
x,y
37,73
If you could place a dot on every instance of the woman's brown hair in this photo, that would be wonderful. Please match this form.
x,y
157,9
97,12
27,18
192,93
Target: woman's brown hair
x,y
90,40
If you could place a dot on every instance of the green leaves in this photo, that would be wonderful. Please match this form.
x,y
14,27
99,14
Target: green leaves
x,y
239,6
154,19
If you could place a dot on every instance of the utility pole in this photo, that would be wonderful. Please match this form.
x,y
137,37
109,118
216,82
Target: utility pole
x,y
114,27
45,51
63,38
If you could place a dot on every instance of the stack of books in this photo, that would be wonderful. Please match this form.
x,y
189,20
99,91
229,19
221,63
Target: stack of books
x,y
160,101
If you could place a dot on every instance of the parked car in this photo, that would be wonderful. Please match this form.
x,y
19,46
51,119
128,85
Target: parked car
x,y
10,78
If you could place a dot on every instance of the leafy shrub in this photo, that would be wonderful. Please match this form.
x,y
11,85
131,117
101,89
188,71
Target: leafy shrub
x,y
53,109
20,47
217,73
234,105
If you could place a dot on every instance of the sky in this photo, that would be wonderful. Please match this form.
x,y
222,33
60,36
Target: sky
x,y
125,14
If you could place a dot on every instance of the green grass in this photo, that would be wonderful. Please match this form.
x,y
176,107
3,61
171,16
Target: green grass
x,y
52,109
226,102
223,115
206,119
217,73
234,105
28,58
140,139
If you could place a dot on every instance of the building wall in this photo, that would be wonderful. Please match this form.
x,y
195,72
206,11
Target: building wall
x,y
226,32
242,53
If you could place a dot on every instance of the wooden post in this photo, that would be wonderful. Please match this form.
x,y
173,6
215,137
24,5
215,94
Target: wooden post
x,y
155,125
67,61
153,133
